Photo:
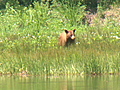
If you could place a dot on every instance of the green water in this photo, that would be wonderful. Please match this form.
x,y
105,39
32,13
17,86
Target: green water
x,y
105,82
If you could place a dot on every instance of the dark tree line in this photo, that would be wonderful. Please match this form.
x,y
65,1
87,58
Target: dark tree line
x,y
22,2
30,2
91,4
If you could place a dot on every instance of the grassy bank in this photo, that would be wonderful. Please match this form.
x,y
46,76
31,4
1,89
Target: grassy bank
x,y
29,41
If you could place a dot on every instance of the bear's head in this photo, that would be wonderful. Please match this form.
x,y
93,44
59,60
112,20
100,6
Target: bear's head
x,y
70,34
67,38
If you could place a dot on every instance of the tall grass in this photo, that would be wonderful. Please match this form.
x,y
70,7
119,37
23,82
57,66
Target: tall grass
x,y
29,42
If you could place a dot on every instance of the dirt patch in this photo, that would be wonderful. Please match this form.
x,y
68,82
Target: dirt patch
x,y
108,17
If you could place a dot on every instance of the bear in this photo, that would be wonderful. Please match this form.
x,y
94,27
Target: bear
x,y
67,38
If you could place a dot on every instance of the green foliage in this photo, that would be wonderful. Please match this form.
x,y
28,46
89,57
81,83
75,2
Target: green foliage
x,y
73,15
36,26
29,42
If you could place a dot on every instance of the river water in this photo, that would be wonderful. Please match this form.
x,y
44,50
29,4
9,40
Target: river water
x,y
104,82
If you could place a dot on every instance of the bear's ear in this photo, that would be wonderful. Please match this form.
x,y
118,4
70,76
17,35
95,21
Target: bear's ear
x,y
74,30
66,31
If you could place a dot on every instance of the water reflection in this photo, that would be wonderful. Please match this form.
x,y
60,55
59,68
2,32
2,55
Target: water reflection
x,y
107,82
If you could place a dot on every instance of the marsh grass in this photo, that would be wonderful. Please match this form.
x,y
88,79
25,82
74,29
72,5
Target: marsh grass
x,y
72,60
29,43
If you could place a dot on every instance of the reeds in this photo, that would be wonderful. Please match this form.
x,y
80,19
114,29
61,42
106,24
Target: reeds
x,y
79,60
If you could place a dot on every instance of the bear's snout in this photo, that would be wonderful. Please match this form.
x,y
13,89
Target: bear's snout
x,y
72,37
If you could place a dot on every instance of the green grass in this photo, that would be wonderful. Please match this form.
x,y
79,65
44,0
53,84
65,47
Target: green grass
x,y
29,42
72,60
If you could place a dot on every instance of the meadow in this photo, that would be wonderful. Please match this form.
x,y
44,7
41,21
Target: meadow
x,y
29,41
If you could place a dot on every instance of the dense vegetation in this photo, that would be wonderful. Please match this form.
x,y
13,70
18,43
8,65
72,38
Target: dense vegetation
x,y
29,40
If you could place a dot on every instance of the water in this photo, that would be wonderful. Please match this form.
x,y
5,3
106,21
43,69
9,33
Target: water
x,y
105,82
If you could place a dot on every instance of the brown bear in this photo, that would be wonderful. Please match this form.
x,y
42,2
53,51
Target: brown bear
x,y
67,38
